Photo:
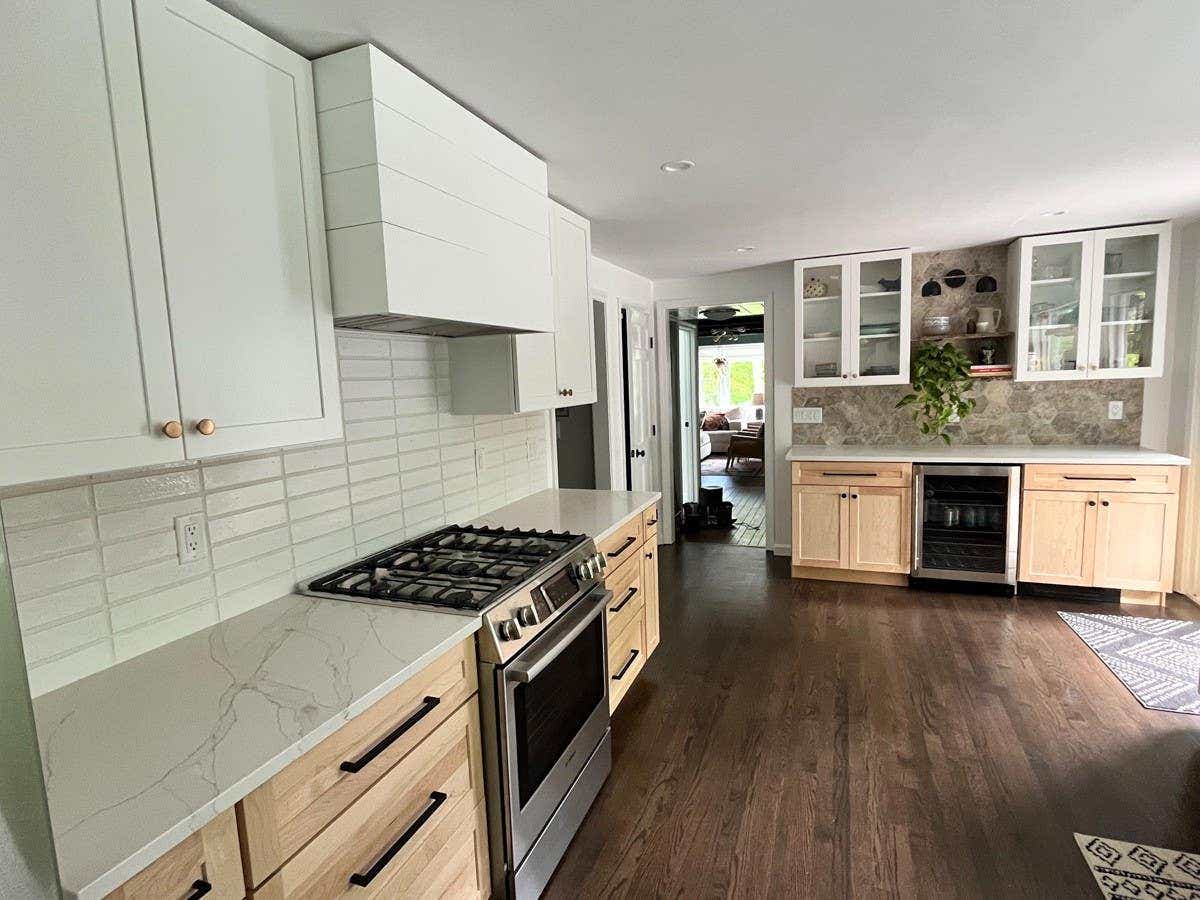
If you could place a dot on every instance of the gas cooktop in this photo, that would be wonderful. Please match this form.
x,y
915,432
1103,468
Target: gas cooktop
x,y
461,568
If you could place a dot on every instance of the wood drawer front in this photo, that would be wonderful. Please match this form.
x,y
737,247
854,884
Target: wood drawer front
x,y
448,764
623,543
628,597
626,657
210,855
649,520
1112,479
285,813
849,473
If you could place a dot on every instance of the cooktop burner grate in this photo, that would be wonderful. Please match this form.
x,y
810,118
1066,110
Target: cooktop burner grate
x,y
459,567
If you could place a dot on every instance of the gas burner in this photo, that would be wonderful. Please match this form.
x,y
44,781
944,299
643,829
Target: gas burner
x,y
463,568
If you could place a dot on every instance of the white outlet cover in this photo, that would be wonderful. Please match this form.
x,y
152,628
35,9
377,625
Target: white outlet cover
x,y
189,537
1116,409
808,415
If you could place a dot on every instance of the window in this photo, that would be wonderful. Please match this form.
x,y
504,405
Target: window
x,y
731,376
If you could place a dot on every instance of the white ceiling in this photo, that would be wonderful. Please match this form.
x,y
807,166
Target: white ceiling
x,y
816,127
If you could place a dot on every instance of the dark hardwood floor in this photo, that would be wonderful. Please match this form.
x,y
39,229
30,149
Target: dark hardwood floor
x,y
806,739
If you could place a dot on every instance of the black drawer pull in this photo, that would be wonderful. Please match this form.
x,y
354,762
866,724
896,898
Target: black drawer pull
x,y
1099,478
620,606
625,668
362,879
652,522
850,474
357,765
200,887
629,541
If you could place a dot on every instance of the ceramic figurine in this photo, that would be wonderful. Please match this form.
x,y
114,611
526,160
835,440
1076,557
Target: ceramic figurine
x,y
814,288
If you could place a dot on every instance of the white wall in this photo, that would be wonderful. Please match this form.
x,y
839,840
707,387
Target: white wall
x,y
1167,400
613,286
774,284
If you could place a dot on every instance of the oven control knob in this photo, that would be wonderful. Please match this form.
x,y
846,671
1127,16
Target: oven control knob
x,y
582,570
601,562
527,616
510,630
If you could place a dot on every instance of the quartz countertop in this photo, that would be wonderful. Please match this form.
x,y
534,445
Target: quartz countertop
x,y
594,513
1012,454
139,756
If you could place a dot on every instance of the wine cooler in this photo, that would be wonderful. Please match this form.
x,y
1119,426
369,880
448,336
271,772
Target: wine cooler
x,y
966,522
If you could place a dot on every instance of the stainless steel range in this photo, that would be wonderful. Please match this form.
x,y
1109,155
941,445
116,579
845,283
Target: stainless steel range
x,y
543,675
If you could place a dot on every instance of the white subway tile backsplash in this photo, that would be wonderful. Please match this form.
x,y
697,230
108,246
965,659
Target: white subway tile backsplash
x,y
148,488
47,506
30,543
95,566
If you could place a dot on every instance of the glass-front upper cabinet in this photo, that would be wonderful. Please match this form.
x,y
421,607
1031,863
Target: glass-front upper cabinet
x,y
1091,304
853,319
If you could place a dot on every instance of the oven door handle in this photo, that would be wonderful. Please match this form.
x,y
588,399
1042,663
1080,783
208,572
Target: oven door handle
x,y
550,644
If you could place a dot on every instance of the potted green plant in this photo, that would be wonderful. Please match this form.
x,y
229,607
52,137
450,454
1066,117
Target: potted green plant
x,y
941,380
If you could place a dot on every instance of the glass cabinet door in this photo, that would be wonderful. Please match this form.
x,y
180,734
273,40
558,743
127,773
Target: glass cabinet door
x,y
1125,315
881,317
820,298
1058,276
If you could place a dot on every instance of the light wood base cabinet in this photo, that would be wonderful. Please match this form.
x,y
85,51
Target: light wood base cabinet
x,y
1117,531
633,623
851,519
206,864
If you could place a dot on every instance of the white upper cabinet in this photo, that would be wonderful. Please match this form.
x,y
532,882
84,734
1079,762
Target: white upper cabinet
x,y
87,380
233,136
853,319
1091,304
437,221
503,373
574,331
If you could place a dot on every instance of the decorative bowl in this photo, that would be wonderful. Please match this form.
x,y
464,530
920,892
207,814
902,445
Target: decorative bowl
x,y
934,325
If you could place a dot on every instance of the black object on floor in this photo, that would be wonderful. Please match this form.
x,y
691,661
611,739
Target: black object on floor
x,y
1069,592
983,588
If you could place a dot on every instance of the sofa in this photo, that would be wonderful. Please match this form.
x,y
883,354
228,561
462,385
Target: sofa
x,y
720,438
705,445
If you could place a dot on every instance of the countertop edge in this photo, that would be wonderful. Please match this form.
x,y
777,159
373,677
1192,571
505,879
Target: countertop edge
x,y
1030,456
104,884
637,512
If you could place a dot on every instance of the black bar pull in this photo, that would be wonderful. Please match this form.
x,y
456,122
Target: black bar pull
x,y
200,887
357,765
1099,478
850,474
652,522
625,668
362,879
629,541
620,606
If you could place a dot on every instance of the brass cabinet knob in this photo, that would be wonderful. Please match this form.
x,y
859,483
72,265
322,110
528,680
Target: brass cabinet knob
x,y
206,426
570,392
173,429
563,392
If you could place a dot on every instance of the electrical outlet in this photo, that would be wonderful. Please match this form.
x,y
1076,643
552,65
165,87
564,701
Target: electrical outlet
x,y
189,537
1116,409
808,415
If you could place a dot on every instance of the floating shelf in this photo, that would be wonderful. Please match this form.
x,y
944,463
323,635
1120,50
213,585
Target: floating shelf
x,y
878,337
976,336
1039,281
1007,374
1127,275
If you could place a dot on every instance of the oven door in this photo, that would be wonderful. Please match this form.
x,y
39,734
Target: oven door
x,y
553,713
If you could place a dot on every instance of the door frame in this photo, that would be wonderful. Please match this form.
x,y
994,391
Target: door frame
x,y
674,329
666,407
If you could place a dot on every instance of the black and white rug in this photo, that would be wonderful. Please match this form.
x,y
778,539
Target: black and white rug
x,y
1125,870
1157,659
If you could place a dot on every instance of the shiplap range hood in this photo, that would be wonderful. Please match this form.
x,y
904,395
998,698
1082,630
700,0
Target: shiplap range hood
x,y
436,222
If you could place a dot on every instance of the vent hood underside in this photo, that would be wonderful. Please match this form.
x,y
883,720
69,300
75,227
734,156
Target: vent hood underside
x,y
419,325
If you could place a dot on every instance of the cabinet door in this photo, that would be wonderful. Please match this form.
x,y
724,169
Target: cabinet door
x,y
87,378
820,526
233,137
880,529
1058,537
1135,541
650,587
207,863
536,372
1129,301
1054,287
574,336
821,294
880,307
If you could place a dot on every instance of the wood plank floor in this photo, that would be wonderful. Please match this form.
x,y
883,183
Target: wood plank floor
x,y
808,739
747,494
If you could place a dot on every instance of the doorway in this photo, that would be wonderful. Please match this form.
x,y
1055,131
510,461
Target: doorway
x,y
719,380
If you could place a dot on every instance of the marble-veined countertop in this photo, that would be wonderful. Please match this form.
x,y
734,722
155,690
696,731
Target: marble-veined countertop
x,y
1011,454
594,513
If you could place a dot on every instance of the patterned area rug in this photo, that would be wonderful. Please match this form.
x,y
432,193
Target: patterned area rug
x,y
1157,659
1125,870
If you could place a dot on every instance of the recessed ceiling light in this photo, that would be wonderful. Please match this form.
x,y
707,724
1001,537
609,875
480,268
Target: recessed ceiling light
x,y
745,250
1055,212
677,165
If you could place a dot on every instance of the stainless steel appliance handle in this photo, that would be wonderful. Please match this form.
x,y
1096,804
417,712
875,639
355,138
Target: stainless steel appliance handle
x,y
550,644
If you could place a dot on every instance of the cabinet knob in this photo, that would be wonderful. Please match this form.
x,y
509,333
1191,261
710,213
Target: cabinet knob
x,y
173,429
844,496
854,496
844,375
1091,503
570,392
206,427
1104,503
563,392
